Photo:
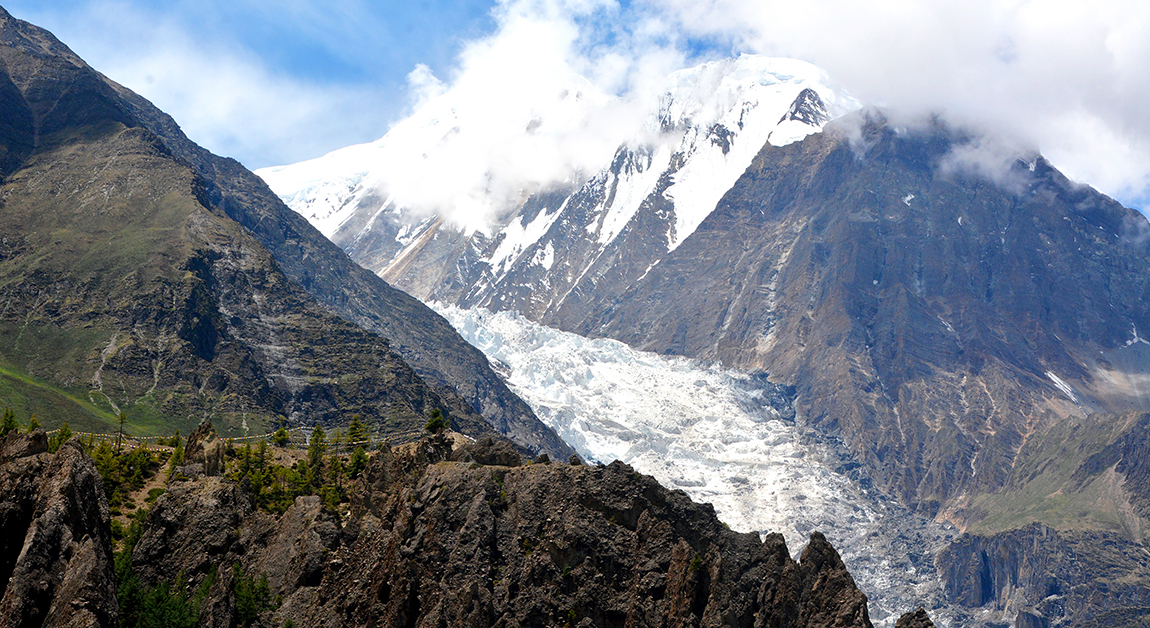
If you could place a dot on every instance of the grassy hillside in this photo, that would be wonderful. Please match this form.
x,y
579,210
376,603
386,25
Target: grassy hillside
x,y
121,290
1071,476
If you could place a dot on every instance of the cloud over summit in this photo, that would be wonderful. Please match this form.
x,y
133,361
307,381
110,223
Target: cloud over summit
x,y
1066,78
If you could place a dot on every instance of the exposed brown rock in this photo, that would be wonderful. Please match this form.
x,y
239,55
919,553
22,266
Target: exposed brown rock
x,y
490,451
55,546
205,447
191,528
917,619
430,542
555,544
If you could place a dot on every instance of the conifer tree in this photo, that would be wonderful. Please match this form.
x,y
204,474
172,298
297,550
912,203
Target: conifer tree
x,y
357,463
316,446
61,436
436,423
356,432
8,422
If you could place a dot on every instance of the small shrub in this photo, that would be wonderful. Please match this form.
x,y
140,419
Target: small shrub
x,y
436,423
696,563
252,596
281,438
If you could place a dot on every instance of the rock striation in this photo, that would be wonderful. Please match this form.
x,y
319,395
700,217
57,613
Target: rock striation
x,y
55,544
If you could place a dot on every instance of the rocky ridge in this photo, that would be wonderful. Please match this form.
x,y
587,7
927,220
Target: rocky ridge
x,y
429,539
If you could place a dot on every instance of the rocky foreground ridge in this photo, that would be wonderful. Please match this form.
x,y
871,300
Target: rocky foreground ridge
x,y
431,537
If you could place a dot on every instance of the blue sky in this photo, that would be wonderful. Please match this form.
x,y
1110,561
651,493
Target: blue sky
x,y
277,82
358,54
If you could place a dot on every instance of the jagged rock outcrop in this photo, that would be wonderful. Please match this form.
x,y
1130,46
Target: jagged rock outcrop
x,y
428,541
917,619
55,544
490,451
191,528
205,447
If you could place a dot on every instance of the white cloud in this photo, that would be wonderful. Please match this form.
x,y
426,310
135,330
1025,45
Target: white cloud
x,y
1062,78
1067,78
223,96
424,85
527,107
1070,79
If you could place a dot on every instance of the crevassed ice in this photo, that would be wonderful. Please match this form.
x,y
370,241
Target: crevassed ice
x,y
712,433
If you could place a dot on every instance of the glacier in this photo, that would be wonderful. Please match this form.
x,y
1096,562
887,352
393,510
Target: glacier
x,y
724,437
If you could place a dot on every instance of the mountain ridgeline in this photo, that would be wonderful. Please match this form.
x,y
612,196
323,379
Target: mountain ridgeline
x,y
974,335
933,317
142,275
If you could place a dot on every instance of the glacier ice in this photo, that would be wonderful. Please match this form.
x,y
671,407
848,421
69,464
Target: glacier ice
x,y
722,436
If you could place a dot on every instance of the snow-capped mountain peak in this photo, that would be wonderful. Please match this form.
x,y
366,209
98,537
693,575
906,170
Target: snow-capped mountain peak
x,y
541,193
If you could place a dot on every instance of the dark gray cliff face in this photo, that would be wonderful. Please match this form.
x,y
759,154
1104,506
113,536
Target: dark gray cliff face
x,y
419,335
429,541
55,544
1050,577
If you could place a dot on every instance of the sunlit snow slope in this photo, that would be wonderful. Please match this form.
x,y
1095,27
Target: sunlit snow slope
x,y
722,436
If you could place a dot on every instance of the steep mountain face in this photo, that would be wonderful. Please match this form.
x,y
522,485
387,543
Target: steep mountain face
x,y
933,318
1061,583
972,332
143,274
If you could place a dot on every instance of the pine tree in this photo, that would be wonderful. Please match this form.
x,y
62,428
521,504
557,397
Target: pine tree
x,y
252,596
357,463
33,424
8,422
316,448
59,438
357,432
335,470
436,423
